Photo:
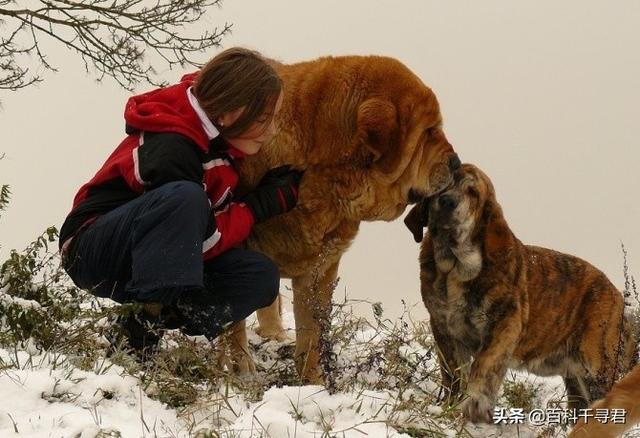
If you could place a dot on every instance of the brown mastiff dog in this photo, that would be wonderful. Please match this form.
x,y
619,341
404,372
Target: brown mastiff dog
x,y
510,305
368,134
625,395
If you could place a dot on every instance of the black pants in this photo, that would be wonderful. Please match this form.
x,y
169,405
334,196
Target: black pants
x,y
150,250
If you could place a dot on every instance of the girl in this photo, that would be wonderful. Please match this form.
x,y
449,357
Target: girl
x,y
158,223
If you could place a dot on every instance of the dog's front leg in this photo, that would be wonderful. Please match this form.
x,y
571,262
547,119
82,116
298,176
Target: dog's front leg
x,y
450,366
490,366
312,309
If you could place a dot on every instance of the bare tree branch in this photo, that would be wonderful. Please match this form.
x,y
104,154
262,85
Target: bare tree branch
x,y
111,36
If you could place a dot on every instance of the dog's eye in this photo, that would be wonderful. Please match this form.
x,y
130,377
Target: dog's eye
x,y
433,132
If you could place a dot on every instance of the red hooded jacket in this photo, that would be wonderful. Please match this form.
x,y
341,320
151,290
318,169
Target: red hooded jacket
x,y
169,139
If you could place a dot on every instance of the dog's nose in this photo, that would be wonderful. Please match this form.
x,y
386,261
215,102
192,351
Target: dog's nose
x,y
454,162
447,202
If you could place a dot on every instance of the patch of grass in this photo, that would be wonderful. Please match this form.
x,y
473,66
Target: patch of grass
x,y
521,393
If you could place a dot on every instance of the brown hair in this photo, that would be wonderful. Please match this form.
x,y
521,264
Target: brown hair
x,y
235,78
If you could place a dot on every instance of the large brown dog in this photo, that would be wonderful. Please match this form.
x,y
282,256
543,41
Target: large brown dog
x,y
368,134
624,395
510,305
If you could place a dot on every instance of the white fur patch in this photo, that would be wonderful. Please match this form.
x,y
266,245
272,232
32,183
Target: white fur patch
x,y
469,261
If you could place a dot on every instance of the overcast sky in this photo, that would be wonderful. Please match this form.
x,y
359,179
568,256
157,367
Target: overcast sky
x,y
541,95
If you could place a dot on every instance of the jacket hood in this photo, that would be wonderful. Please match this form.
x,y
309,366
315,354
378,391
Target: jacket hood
x,y
166,110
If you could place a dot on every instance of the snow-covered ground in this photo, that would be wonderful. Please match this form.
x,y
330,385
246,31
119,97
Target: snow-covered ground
x,y
44,394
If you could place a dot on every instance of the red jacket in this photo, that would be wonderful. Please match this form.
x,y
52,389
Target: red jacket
x,y
167,141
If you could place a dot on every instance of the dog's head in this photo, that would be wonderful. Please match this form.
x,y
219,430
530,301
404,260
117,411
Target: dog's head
x,y
466,212
399,126
367,130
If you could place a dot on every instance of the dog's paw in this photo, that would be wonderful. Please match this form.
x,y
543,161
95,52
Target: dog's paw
x,y
478,409
279,335
239,362
244,365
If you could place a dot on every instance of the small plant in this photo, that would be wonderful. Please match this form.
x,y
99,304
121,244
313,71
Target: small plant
x,y
521,393
5,194
630,288
38,304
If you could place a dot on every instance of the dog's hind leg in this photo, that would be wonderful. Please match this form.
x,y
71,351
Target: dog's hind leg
x,y
597,387
603,355
577,394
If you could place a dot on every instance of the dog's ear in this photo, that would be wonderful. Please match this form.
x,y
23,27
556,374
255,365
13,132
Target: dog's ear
x,y
417,219
497,235
378,131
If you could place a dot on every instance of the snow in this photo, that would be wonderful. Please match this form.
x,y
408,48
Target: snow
x,y
27,304
308,411
42,395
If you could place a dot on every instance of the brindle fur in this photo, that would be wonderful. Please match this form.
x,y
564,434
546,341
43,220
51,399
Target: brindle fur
x,y
496,303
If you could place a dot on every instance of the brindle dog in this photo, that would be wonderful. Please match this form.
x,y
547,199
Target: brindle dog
x,y
496,303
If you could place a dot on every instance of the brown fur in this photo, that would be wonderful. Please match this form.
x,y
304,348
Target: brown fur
x,y
624,395
510,305
367,132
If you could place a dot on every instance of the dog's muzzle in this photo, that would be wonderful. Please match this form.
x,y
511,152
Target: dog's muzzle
x,y
447,203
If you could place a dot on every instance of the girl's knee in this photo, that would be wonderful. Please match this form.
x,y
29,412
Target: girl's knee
x,y
185,194
268,279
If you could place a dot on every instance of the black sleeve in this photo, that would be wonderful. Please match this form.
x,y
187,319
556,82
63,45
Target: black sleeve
x,y
167,156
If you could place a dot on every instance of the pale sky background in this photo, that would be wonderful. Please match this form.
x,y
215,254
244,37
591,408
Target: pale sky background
x,y
541,95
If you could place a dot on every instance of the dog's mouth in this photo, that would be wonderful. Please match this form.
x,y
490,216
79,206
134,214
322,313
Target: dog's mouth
x,y
442,219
